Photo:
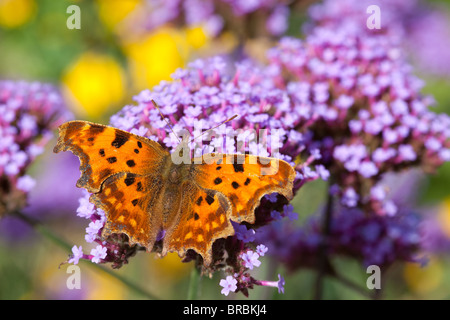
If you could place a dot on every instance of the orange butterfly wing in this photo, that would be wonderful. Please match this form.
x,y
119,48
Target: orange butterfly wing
x,y
230,188
104,151
129,201
203,217
244,180
123,171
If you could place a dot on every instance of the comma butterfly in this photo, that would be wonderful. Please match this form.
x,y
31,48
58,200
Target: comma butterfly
x,y
151,199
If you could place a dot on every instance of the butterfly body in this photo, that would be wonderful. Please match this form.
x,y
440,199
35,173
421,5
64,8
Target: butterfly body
x,y
170,200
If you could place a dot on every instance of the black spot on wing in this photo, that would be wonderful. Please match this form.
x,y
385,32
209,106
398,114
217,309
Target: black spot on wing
x,y
120,140
111,159
129,180
209,199
238,167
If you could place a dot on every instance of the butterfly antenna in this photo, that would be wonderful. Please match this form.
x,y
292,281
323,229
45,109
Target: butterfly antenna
x,y
215,127
167,121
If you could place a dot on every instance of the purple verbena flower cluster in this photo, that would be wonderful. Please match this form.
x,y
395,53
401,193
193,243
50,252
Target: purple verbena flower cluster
x,y
422,28
114,250
246,256
362,109
29,114
242,280
372,239
358,104
216,16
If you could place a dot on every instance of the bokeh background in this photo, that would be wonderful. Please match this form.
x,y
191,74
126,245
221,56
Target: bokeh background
x,y
98,69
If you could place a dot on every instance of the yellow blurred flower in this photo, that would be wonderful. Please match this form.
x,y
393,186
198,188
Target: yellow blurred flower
x,y
156,56
94,82
105,287
113,12
15,13
423,280
171,267
196,37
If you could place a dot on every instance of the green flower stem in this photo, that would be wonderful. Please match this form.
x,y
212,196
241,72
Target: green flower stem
x,y
322,261
50,235
194,284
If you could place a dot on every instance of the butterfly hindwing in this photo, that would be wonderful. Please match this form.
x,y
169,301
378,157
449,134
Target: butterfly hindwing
x,y
129,202
203,218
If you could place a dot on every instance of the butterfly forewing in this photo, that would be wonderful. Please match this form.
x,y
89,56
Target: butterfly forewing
x,y
123,171
104,151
